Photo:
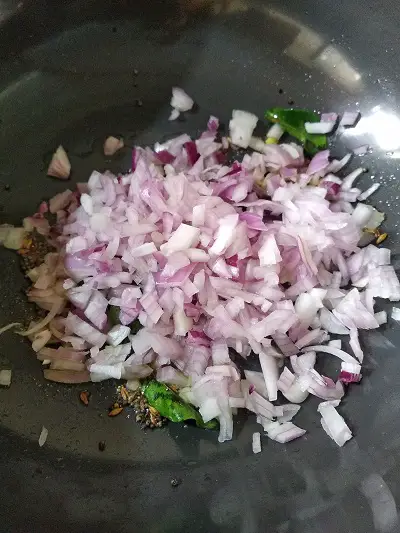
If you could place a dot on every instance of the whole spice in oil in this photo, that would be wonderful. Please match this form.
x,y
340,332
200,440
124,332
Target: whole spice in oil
x,y
84,397
115,411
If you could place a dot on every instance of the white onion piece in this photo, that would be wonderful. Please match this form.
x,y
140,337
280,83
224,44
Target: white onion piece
x,y
209,409
220,353
13,238
330,323
351,368
110,354
320,128
348,181
333,423
43,436
316,335
225,421
256,442
333,351
132,384
60,201
196,255
112,145
362,214
383,283
376,219
117,334
331,178
302,363
289,411
225,234
349,118
61,353
269,252
4,229
64,364
321,386
10,326
335,165
395,313
63,376
269,367
180,100
275,132
174,115
366,194
183,238
355,345
241,127
41,339
256,379
101,372
5,378
84,330
87,203
349,196
237,402
290,387
168,374
257,144
131,371
329,117
262,406
285,432
59,167
337,343
381,317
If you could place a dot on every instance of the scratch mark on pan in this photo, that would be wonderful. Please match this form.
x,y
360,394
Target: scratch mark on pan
x,y
375,338
381,500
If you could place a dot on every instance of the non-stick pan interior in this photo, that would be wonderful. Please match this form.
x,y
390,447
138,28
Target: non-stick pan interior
x,y
74,74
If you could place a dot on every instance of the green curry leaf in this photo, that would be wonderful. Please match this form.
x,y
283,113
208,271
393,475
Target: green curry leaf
x,y
113,315
135,326
170,405
113,318
292,121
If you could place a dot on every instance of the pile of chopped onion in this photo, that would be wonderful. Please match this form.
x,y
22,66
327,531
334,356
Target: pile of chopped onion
x,y
260,256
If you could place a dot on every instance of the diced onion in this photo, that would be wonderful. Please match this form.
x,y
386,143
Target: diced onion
x,y
256,443
5,378
168,270
319,127
333,423
396,313
241,127
43,436
349,118
180,100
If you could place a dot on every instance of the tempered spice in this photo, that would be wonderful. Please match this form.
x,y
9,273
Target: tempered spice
x,y
145,415
84,397
34,249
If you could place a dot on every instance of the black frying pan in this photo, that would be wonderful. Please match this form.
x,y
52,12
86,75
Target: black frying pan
x,y
75,72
